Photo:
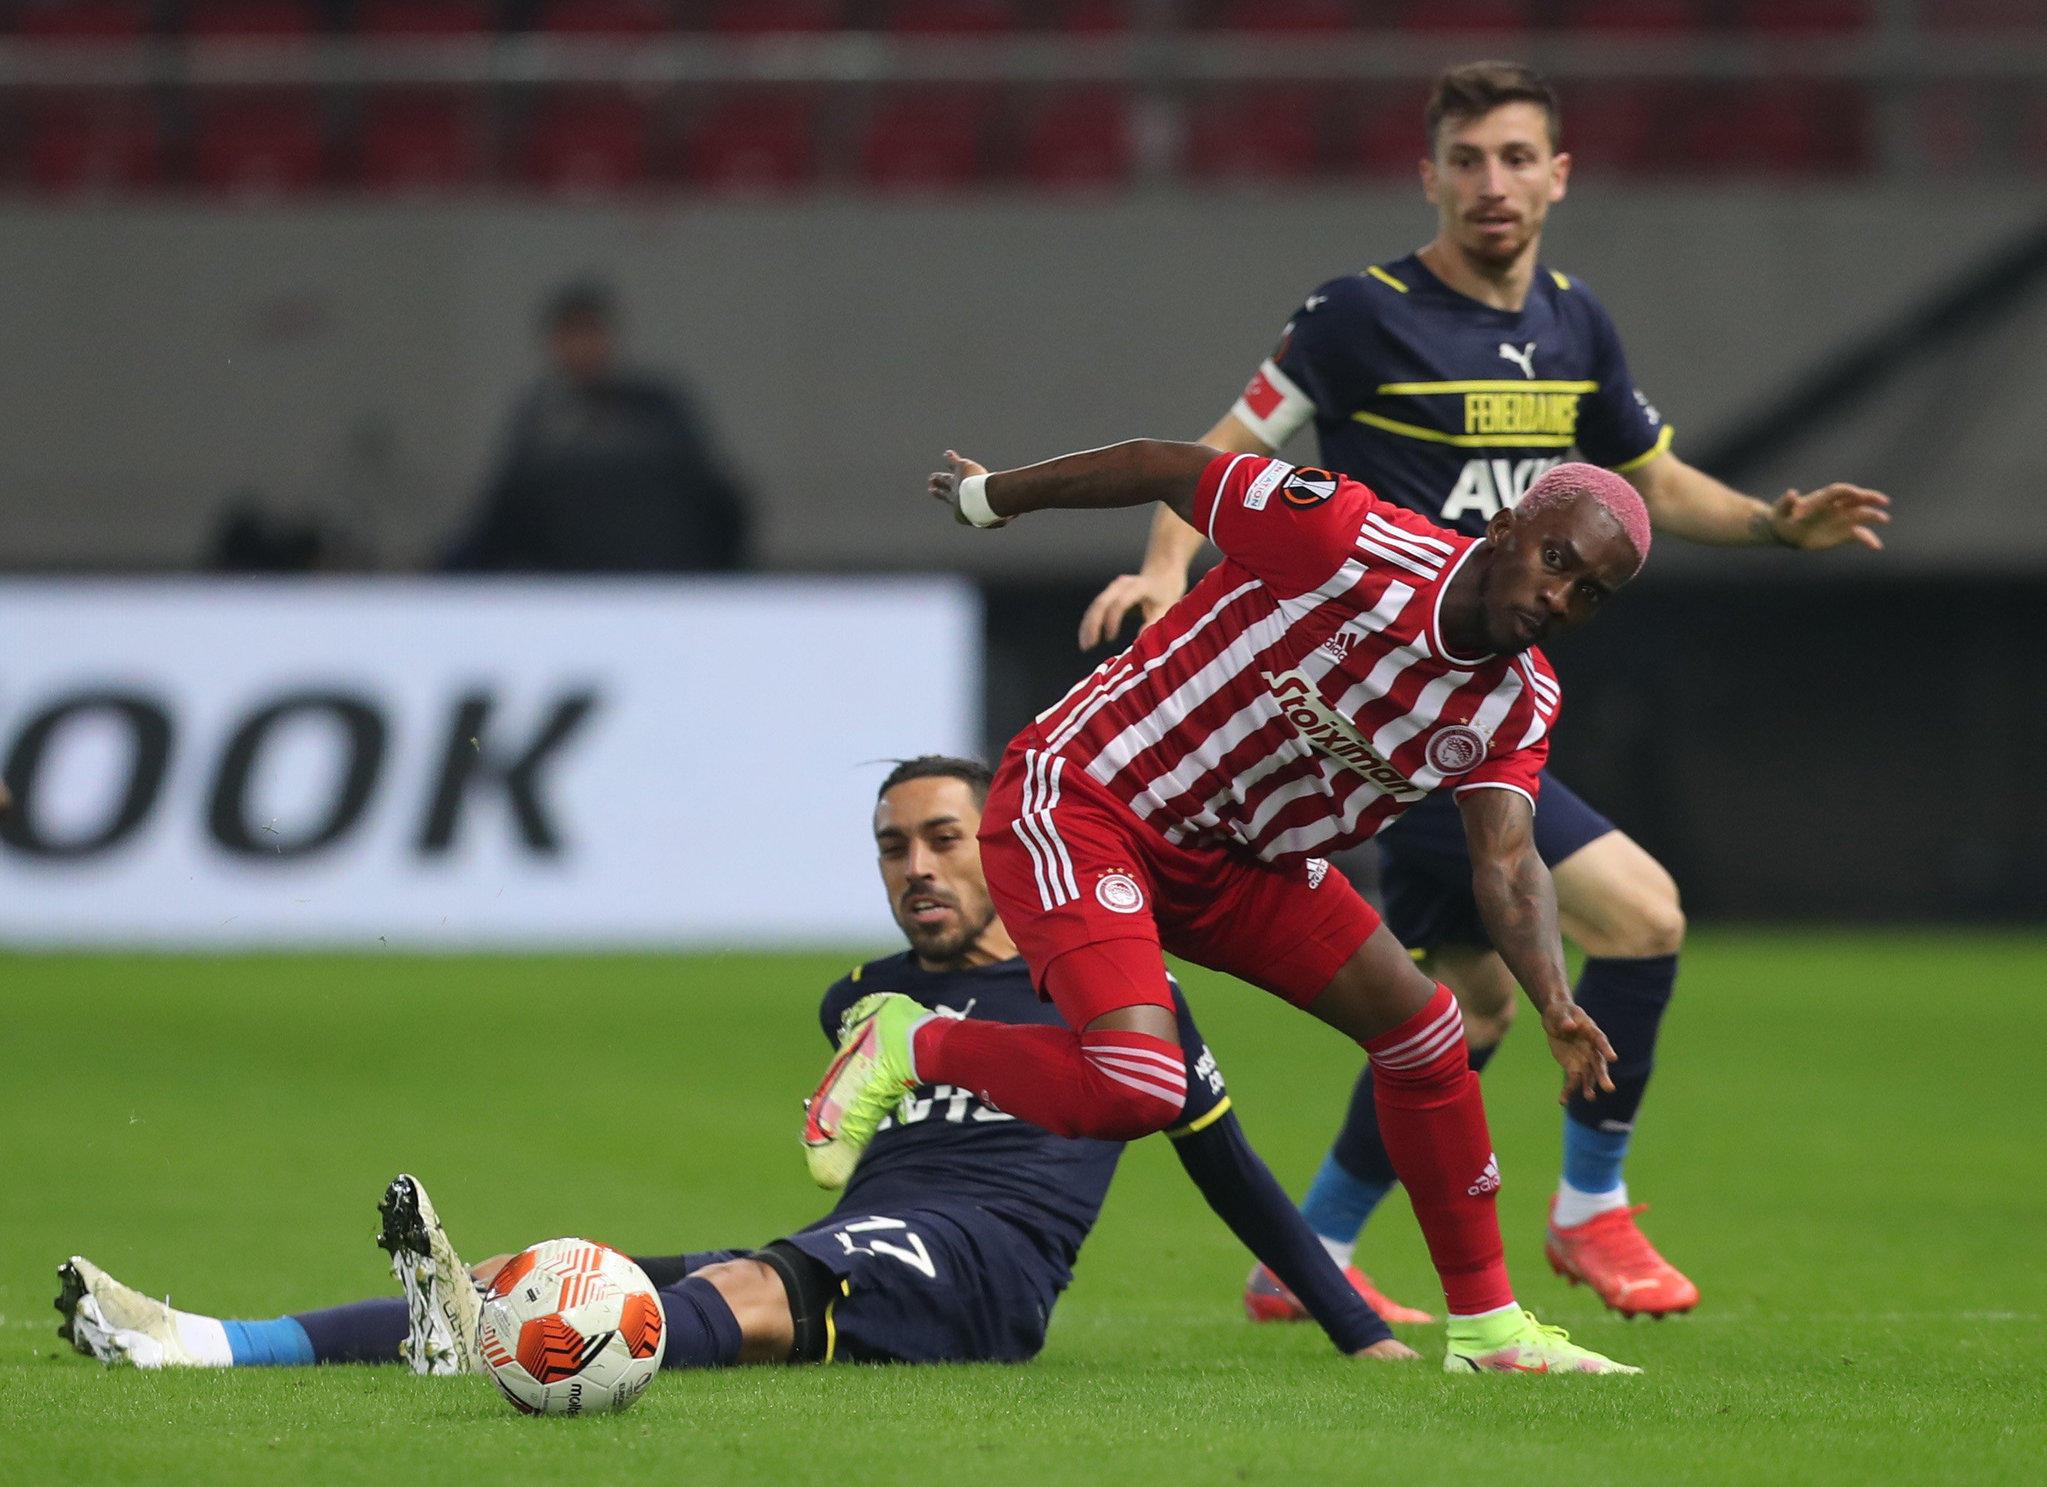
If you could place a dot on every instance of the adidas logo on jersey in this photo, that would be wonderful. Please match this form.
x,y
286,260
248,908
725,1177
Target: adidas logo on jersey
x,y
1488,1180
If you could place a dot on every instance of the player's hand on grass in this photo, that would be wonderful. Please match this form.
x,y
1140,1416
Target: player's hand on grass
x,y
944,485
1392,1348
1578,1044
1831,517
1151,594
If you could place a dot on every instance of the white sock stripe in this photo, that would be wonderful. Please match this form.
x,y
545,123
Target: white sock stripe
x,y
1140,1071
1175,1062
1428,1053
1164,1095
1448,1015
1428,1045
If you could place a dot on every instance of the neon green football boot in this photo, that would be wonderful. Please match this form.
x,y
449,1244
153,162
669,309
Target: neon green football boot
x,y
873,1070
1514,1342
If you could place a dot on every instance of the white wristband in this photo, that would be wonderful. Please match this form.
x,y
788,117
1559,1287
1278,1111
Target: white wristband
x,y
974,502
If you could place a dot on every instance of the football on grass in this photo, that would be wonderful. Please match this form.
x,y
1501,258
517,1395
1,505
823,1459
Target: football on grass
x,y
571,1328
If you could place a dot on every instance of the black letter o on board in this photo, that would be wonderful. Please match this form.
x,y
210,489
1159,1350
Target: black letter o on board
x,y
228,816
149,733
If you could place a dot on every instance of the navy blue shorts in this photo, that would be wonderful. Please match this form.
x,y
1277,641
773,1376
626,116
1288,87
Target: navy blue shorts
x,y
1425,863
951,1283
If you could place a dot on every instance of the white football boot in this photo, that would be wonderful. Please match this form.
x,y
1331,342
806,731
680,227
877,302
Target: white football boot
x,y
118,1324
440,1295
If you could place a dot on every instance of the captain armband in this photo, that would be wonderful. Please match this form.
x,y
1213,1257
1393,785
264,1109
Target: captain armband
x,y
1272,407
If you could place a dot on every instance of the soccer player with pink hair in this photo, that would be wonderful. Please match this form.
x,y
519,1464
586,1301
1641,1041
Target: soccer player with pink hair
x,y
1346,660
1449,380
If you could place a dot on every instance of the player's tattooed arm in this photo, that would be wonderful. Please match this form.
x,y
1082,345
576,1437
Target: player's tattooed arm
x,y
1689,503
1518,902
1135,473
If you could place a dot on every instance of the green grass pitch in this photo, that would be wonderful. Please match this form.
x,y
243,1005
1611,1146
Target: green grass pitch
x,y
1844,1147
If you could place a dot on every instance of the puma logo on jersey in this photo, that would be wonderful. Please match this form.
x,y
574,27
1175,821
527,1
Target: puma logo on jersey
x,y
1524,358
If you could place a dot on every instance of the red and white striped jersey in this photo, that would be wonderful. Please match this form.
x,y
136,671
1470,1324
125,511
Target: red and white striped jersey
x,y
1301,696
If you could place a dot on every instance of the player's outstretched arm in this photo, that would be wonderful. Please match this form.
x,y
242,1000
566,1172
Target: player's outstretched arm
x,y
1689,503
1246,1196
1518,902
1162,578
1134,473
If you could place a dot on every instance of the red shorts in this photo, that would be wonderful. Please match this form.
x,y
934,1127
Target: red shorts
x,y
1069,866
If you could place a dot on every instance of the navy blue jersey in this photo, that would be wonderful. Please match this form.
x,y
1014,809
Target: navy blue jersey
x,y
1447,406
943,1144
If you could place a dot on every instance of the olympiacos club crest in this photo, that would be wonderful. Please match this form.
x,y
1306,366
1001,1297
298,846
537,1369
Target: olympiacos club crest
x,y
1456,749
1119,893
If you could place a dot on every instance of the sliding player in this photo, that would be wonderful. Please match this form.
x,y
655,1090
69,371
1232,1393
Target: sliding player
x,y
954,1244
1449,381
1346,659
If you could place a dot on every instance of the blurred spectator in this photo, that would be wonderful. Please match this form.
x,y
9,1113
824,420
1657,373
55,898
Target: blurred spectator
x,y
604,470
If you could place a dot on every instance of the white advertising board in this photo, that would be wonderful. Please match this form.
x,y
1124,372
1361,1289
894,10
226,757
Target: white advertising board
x,y
424,763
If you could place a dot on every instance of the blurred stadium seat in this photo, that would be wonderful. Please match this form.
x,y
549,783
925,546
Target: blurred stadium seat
x,y
587,142
1665,16
753,140
1079,140
1091,17
88,144
606,17
1290,17
1267,135
1464,15
267,19
420,141
258,143
1617,127
1982,15
951,17
83,20
1803,15
765,17
423,17
1775,128
1388,132
924,140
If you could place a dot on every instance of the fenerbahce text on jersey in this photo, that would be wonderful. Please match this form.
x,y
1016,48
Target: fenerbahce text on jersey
x,y
1300,696
1447,406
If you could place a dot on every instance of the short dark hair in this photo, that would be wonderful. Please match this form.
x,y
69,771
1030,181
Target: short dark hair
x,y
972,772
1471,90
584,298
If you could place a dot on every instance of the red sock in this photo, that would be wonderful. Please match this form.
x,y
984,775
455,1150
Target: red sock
x,y
1112,1086
1433,1122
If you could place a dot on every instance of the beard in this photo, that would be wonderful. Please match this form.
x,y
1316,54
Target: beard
x,y
949,946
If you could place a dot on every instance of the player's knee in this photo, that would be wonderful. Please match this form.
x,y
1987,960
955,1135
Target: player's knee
x,y
1654,924
1484,1029
1138,1084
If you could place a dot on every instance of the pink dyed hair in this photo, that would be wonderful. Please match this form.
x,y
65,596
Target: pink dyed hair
x,y
1615,496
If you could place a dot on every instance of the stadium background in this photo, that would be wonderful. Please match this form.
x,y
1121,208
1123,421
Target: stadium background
x,y
292,248
296,249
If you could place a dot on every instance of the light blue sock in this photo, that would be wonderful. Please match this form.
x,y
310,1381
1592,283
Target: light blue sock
x,y
280,1343
1338,1204
1593,1159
